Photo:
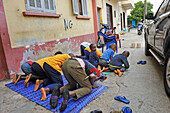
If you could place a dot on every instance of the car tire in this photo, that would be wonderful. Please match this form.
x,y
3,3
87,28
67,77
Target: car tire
x,y
166,76
139,32
147,53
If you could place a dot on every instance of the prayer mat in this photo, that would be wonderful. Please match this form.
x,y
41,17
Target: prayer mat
x,y
72,107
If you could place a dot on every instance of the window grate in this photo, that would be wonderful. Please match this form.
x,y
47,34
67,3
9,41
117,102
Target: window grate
x,y
32,3
41,5
38,2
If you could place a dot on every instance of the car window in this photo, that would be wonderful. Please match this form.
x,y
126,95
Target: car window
x,y
162,8
162,23
168,7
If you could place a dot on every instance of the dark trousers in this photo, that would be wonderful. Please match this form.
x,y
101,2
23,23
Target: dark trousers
x,y
114,68
52,77
26,68
82,50
37,69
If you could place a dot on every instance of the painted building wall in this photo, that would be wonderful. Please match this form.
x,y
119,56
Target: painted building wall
x,y
25,31
31,38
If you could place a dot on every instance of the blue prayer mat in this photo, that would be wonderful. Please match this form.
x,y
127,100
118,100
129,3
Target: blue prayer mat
x,y
72,107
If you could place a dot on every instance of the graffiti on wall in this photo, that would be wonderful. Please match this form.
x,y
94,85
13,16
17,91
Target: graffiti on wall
x,y
67,24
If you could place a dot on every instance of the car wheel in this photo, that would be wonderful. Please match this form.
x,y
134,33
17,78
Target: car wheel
x,y
139,32
167,74
147,53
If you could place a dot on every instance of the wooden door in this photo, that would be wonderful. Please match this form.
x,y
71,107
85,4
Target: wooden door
x,y
109,15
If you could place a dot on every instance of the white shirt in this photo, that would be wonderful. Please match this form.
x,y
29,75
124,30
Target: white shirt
x,y
85,44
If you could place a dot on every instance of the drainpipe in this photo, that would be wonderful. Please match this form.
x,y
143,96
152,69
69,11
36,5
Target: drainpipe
x,y
95,19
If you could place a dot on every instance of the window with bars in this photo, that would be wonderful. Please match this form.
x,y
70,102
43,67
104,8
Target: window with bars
x,y
41,5
80,7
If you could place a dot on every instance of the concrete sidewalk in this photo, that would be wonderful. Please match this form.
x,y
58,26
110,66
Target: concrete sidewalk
x,y
141,84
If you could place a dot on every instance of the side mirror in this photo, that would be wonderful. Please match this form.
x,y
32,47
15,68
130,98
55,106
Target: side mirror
x,y
149,16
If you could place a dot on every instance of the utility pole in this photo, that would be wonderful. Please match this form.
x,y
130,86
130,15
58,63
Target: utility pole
x,y
145,11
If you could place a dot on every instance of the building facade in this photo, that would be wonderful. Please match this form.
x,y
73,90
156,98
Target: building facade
x,y
33,29
114,13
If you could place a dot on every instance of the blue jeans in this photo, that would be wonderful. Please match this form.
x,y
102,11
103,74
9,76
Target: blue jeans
x,y
26,68
53,77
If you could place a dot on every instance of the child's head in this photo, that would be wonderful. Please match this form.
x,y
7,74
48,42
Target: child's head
x,y
126,53
71,55
113,47
92,47
58,52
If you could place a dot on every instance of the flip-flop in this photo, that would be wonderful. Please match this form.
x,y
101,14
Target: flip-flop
x,y
122,99
65,101
139,62
54,97
126,109
96,111
143,62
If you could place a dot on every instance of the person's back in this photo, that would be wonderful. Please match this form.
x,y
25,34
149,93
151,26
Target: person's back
x,y
120,61
87,52
41,61
57,60
107,55
117,60
93,58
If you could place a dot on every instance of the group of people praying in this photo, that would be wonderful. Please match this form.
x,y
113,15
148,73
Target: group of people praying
x,y
80,72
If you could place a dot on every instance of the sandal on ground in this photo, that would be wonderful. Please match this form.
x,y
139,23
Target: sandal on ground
x,y
139,62
122,99
66,98
126,109
143,62
54,97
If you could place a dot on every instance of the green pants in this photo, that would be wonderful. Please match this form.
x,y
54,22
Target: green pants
x,y
74,74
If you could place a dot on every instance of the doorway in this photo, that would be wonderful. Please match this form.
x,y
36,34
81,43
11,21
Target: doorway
x,y
121,21
124,24
98,17
109,15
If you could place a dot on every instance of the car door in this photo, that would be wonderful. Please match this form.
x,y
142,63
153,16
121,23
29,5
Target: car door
x,y
153,25
161,26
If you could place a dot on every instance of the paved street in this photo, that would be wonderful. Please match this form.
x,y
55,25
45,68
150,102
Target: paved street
x,y
141,84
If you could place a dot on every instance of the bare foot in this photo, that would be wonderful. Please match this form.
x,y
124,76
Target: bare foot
x,y
27,78
14,78
95,86
115,71
27,84
119,73
37,85
101,71
17,79
43,94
